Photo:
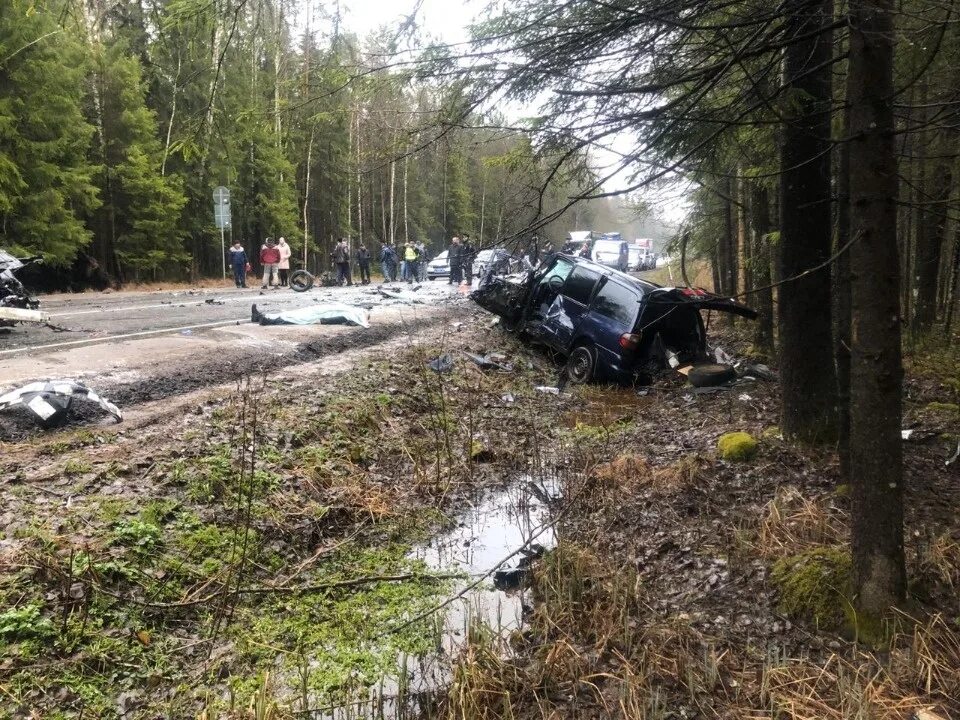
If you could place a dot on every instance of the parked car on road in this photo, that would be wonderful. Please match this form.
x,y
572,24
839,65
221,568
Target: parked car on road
x,y
607,324
500,260
439,267
612,253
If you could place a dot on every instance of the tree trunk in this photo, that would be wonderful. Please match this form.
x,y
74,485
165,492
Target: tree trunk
x,y
730,245
841,304
808,376
933,222
760,212
359,186
876,375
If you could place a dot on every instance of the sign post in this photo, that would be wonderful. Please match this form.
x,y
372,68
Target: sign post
x,y
221,218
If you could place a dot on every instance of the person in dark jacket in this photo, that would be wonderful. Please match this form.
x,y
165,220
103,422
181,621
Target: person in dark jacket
x,y
270,259
238,263
363,262
455,257
469,255
341,258
388,263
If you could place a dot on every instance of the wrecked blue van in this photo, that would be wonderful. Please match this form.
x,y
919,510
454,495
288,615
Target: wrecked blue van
x,y
607,325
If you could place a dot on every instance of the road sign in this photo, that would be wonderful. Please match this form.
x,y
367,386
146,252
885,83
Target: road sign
x,y
221,218
221,207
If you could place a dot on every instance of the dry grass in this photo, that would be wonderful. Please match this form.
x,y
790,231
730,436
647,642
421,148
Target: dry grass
x,y
631,473
921,673
792,524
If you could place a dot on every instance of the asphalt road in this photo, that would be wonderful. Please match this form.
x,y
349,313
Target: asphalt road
x,y
95,318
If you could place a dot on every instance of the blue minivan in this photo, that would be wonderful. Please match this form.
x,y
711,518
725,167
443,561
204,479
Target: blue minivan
x,y
607,324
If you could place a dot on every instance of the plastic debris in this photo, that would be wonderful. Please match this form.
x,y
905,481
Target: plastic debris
x,y
905,434
50,401
490,362
722,356
441,364
547,389
508,398
953,458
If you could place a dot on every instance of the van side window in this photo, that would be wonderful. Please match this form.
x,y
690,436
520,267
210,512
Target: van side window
x,y
579,285
618,303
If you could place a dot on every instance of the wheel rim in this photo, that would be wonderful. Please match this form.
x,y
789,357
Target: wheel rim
x,y
580,365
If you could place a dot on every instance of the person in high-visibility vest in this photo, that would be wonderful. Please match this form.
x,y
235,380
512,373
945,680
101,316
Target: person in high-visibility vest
x,y
410,257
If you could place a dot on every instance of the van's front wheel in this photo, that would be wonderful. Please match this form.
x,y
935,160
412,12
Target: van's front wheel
x,y
581,364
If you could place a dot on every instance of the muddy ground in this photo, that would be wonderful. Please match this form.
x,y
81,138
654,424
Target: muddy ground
x,y
272,548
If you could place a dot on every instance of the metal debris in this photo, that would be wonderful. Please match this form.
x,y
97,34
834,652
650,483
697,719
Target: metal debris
x,y
442,364
50,401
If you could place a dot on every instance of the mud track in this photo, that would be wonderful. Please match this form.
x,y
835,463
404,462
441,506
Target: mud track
x,y
228,367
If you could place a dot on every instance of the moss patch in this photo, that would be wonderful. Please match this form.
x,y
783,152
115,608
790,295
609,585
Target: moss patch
x,y
814,585
942,407
737,446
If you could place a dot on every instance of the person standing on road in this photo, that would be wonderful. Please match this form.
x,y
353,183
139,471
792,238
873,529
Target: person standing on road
x,y
284,267
238,263
341,258
270,259
469,255
388,263
410,259
419,268
454,255
363,262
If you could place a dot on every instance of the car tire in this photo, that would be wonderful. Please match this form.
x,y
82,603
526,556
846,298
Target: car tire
x,y
711,374
581,364
301,281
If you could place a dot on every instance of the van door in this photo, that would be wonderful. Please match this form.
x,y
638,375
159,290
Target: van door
x,y
565,313
613,314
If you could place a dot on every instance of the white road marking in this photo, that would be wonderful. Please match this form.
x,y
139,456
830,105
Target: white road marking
x,y
110,338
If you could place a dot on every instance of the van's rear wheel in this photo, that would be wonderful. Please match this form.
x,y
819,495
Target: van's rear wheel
x,y
581,365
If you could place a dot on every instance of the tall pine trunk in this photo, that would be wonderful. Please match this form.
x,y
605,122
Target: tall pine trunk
x,y
760,214
933,222
808,377
876,375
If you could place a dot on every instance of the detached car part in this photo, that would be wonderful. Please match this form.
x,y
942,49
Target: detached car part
x,y
16,304
50,401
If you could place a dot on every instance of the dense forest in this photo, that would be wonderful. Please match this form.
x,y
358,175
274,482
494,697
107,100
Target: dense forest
x,y
118,119
819,140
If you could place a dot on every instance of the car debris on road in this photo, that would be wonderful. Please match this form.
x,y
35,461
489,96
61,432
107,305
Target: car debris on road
x,y
50,401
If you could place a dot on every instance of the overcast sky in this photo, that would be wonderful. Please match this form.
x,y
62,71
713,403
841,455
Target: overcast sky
x,y
446,21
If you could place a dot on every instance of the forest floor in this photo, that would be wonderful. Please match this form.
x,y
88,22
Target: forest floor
x,y
316,543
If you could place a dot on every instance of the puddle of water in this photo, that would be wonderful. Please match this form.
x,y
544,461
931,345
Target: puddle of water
x,y
603,407
497,525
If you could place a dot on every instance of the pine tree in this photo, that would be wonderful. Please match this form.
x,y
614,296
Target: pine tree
x,y
45,176
140,217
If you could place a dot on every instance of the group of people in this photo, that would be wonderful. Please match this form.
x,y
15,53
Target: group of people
x,y
407,262
274,257
461,255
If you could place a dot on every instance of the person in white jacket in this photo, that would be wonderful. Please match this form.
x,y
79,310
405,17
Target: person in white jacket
x,y
284,267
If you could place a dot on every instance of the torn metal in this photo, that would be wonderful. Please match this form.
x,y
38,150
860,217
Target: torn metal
x,y
50,401
16,304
